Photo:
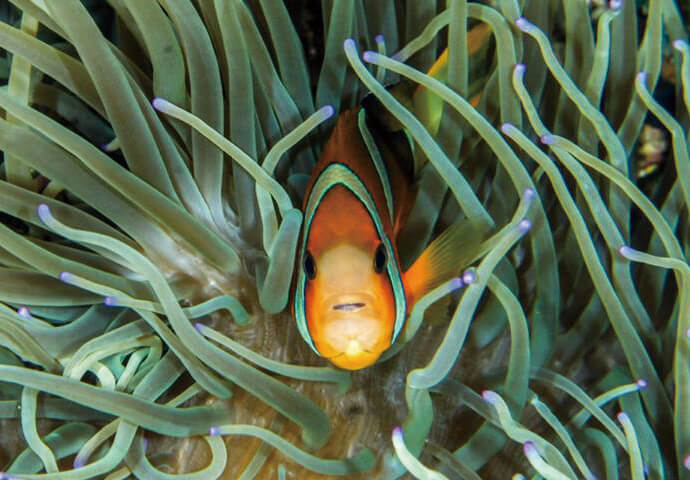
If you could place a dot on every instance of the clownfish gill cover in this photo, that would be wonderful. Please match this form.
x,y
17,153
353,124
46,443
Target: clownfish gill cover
x,y
365,239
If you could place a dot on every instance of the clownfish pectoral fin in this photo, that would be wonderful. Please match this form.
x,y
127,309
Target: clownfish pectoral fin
x,y
445,257
439,312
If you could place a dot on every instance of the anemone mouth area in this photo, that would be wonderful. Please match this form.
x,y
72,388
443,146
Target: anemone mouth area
x,y
154,162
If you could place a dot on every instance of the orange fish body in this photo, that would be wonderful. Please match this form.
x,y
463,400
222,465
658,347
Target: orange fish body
x,y
350,298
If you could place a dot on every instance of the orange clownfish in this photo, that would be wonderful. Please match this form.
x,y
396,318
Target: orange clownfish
x,y
351,298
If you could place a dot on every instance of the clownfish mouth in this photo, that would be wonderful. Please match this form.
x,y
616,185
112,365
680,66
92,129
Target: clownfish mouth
x,y
354,356
349,307
351,333
353,348
350,302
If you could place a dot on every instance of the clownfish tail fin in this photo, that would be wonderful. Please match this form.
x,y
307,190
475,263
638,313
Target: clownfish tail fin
x,y
427,105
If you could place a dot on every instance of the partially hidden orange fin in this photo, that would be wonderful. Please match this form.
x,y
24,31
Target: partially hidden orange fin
x,y
426,105
445,257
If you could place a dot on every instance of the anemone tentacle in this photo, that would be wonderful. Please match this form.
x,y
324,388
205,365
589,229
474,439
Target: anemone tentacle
x,y
153,155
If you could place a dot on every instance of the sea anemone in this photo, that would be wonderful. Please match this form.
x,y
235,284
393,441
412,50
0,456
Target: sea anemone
x,y
154,156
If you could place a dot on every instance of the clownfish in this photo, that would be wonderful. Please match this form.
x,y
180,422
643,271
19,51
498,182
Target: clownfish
x,y
350,297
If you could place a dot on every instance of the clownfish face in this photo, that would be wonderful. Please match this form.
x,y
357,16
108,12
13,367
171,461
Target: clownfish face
x,y
349,304
345,305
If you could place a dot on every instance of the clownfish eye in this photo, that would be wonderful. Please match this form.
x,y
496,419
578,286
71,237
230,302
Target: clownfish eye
x,y
309,265
380,259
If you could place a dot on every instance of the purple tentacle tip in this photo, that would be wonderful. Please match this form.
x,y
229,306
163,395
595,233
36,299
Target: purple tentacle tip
x,y
642,77
520,68
523,24
456,283
79,462
507,127
349,43
379,38
369,56
24,312
686,462
398,431
214,431
622,417
489,396
678,44
469,277
159,103
547,139
110,300
524,226
328,110
529,194
65,277
625,251
641,383
529,448
615,4
198,326
43,212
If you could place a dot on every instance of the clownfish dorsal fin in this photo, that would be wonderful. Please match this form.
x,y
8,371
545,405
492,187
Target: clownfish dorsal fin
x,y
444,257
379,115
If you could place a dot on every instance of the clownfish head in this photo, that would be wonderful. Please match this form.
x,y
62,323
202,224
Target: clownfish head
x,y
350,308
348,301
